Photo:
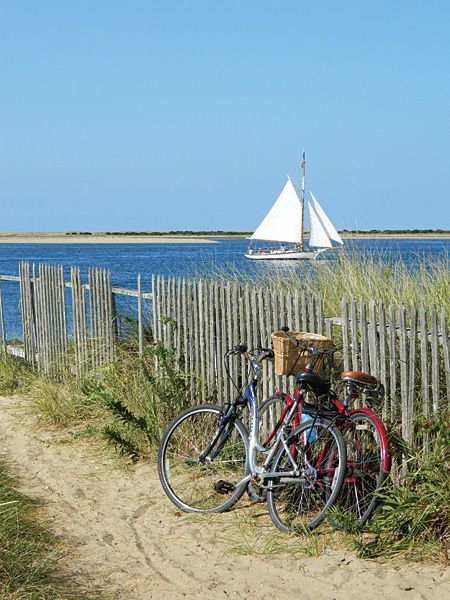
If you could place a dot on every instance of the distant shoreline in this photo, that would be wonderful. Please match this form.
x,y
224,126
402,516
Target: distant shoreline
x,y
163,238
55,238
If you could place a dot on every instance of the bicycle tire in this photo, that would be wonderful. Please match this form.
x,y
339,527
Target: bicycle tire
x,y
300,503
366,444
192,485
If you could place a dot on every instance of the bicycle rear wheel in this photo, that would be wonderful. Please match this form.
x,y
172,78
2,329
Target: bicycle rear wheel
x,y
368,465
299,503
200,460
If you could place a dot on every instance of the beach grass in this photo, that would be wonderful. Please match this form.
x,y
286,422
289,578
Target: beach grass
x,y
384,277
413,517
29,551
128,403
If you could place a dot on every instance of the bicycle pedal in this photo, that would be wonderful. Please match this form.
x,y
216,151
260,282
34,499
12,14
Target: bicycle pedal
x,y
224,487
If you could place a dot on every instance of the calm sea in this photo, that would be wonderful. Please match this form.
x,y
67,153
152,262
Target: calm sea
x,y
126,260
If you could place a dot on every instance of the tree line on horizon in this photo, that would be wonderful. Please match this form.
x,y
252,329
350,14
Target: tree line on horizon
x,y
223,232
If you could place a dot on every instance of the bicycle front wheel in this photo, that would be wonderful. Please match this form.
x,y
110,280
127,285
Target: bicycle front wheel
x,y
201,459
299,502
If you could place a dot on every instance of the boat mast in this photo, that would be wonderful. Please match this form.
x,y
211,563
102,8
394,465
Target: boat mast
x,y
302,202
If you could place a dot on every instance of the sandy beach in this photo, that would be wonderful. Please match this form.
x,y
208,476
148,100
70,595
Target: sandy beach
x,y
102,238
60,238
124,538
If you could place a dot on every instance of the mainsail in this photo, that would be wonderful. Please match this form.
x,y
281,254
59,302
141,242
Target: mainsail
x,y
283,222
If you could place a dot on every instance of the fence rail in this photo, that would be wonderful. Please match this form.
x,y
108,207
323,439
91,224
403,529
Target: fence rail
x,y
406,347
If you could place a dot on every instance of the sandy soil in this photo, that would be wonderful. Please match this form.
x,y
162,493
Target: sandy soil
x,y
125,538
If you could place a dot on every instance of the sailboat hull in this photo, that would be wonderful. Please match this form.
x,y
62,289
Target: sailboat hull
x,y
285,255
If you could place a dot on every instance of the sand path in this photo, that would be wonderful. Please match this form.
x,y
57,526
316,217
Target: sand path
x,y
124,536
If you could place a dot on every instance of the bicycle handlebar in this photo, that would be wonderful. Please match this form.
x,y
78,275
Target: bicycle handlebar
x,y
266,353
242,348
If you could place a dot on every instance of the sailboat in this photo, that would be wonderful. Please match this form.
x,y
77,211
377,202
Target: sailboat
x,y
284,223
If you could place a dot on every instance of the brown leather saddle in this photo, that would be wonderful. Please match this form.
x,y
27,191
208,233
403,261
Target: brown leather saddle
x,y
359,377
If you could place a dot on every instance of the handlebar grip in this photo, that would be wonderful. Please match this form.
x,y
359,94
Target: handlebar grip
x,y
264,354
285,328
241,348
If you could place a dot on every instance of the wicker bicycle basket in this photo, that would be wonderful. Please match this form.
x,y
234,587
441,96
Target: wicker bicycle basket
x,y
290,359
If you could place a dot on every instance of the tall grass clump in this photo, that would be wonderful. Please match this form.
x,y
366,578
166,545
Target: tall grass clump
x,y
15,374
141,395
413,518
60,403
55,402
129,401
26,548
29,552
366,276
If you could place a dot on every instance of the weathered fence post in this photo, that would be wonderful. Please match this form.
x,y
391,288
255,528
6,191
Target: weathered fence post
x,y
140,323
446,353
2,322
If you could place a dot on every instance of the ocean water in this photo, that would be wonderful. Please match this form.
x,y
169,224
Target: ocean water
x,y
125,261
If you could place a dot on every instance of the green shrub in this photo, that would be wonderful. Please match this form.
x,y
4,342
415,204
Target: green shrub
x,y
414,515
141,397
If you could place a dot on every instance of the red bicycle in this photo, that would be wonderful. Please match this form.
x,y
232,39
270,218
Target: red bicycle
x,y
368,458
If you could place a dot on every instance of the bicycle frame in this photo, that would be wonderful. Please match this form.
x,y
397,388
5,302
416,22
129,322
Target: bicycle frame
x,y
341,410
254,444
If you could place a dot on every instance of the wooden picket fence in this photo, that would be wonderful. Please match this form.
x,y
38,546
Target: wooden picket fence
x,y
202,319
60,330
408,350
71,324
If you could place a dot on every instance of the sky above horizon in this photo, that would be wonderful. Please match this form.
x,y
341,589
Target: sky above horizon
x,y
188,115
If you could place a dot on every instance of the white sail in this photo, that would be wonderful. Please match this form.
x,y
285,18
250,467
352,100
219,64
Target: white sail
x,y
326,223
283,222
318,237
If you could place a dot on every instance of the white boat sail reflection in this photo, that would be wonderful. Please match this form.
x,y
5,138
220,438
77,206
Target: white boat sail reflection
x,y
284,223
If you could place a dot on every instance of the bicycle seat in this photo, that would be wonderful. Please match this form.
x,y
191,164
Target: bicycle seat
x,y
318,385
359,377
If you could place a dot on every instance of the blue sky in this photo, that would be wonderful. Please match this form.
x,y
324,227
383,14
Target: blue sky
x,y
159,115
